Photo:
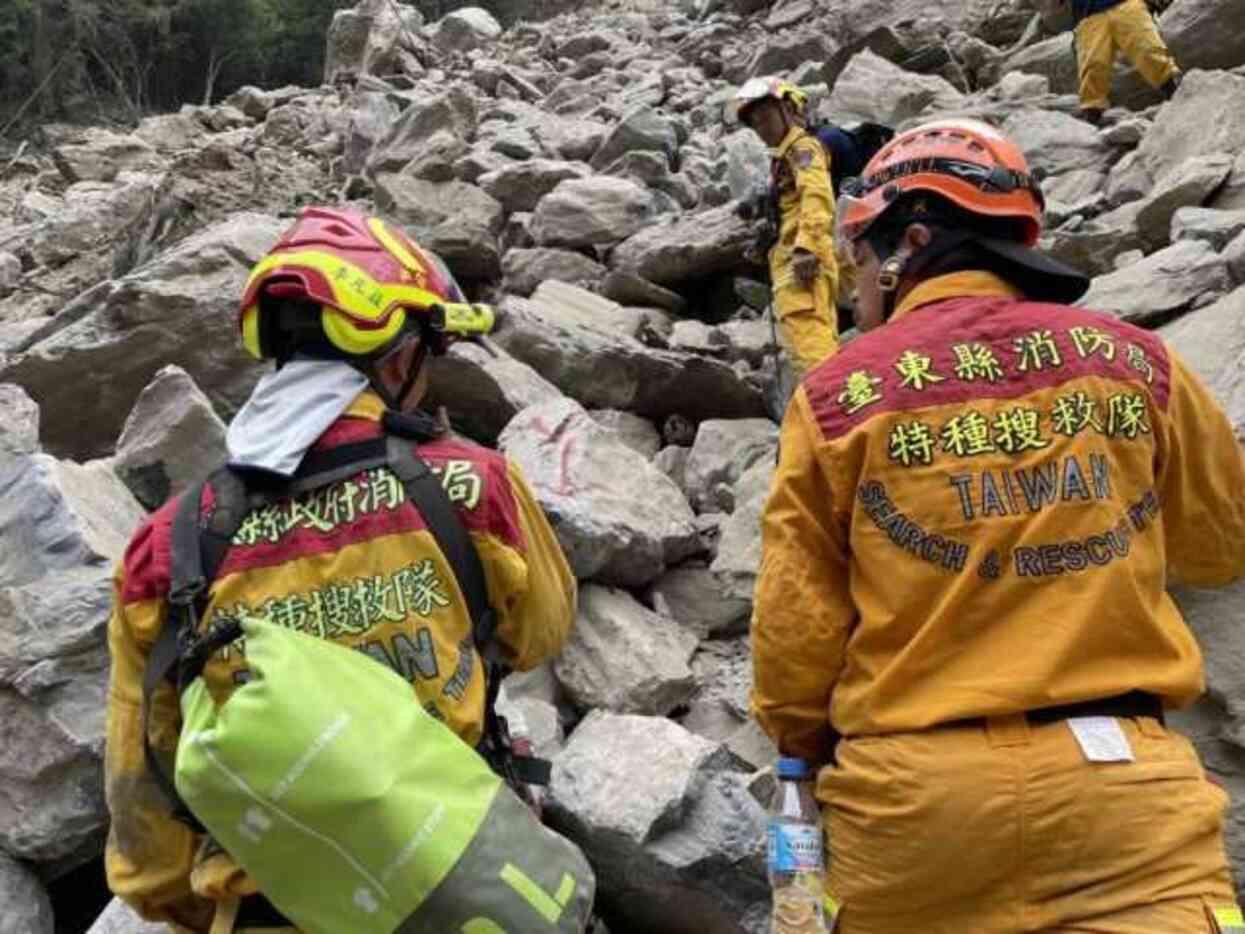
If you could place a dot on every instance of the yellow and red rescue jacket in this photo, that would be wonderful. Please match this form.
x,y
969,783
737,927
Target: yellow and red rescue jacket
x,y
801,178
976,512
354,563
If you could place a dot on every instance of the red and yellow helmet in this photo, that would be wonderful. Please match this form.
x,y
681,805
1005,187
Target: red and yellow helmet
x,y
755,90
968,162
371,282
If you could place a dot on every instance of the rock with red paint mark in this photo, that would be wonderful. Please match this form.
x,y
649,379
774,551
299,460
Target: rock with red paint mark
x,y
620,519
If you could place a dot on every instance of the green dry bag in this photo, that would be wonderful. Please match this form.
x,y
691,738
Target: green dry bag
x,y
357,812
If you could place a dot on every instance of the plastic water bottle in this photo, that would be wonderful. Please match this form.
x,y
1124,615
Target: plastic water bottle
x,y
797,866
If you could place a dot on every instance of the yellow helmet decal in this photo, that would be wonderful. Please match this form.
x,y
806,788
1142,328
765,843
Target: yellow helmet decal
x,y
411,263
250,331
346,335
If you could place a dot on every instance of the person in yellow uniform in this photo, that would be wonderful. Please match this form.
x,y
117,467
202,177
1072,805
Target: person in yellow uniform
x,y
961,613
1105,27
341,305
803,271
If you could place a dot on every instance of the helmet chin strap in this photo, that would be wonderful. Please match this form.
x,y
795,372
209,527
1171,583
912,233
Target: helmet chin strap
x,y
907,262
372,370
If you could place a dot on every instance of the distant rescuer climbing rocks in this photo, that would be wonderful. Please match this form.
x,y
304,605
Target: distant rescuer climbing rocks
x,y
1105,27
348,307
977,508
803,272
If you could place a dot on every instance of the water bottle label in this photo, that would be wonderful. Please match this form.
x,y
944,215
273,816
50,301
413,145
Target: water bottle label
x,y
795,848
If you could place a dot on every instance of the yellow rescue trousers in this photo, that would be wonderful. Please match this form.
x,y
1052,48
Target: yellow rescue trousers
x,y
1006,828
1127,28
807,319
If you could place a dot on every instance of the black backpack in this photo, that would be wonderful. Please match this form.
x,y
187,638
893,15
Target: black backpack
x,y
850,149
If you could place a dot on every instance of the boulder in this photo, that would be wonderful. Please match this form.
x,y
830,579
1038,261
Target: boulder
x,y
637,433
1203,118
686,249
10,272
785,51
370,38
672,461
570,305
1195,32
601,365
1207,612
629,289
1189,184
1212,342
1218,228
677,842
724,672
1231,196
171,438
747,164
24,904
524,270
739,548
693,597
168,133
102,155
591,211
1055,142
1234,256
520,186
1092,247
465,29
1187,275
621,656
120,918
871,88
723,451
483,388
19,421
62,527
457,221
433,130
642,130
620,520
372,117
174,308
557,136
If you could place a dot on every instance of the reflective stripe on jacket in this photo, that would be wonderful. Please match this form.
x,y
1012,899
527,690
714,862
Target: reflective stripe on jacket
x,y
976,512
354,563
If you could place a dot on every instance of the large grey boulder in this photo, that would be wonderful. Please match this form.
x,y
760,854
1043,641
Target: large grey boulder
x,y
590,211
637,433
601,365
441,125
642,130
175,308
171,438
24,904
693,597
62,526
372,115
724,449
459,222
1204,117
677,842
557,136
19,421
621,656
785,51
1189,184
1218,228
1186,275
1200,34
686,248
1056,142
523,270
1093,247
739,549
102,155
1212,341
747,164
465,29
1209,614
370,39
483,388
629,289
620,520
520,186
120,918
871,88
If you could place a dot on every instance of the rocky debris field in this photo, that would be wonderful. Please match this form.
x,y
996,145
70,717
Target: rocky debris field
x,y
576,172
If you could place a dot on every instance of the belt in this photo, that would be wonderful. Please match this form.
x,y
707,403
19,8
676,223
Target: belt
x,y
1132,704
257,911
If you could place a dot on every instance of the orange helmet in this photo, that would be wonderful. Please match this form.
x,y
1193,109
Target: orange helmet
x,y
371,283
967,162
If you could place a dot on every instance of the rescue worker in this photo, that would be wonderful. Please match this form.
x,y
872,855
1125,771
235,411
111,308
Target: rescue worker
x,y
1104,27
344,360
803,272
977,506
